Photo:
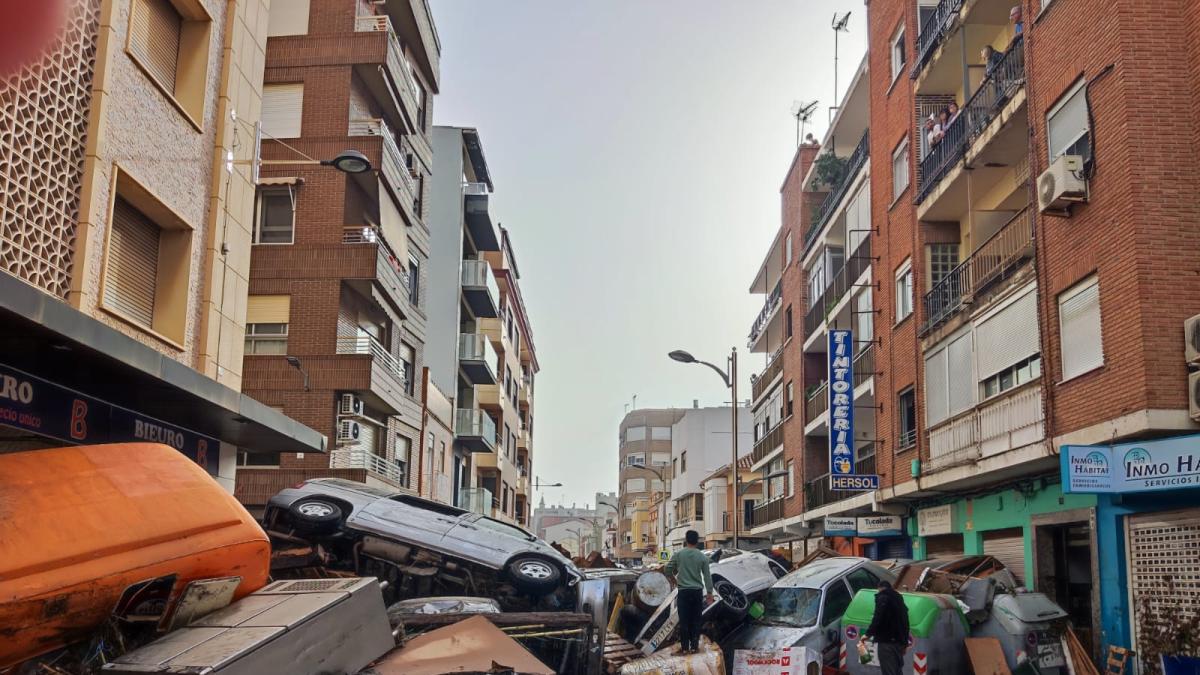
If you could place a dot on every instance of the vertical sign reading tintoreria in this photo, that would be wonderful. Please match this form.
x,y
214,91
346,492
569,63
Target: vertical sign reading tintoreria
x,y
841,416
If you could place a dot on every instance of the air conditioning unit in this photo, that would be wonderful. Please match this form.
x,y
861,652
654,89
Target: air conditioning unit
x,y
348,431
1062,184
350,405
1191,340
1194,395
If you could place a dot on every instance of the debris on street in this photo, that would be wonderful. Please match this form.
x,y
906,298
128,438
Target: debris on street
x,y
472,645
672,661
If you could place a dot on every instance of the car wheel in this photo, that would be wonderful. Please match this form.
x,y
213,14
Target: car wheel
x,y
315,514
534,575
734,602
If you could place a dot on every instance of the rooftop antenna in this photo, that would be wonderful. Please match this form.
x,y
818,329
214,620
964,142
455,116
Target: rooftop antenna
x,y
803,112
839,26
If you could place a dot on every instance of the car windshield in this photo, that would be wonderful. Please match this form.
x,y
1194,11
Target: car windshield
x,y
791,606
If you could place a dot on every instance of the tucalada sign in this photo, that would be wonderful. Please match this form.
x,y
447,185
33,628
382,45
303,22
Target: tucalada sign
x,y
840,526
880,526
1146,466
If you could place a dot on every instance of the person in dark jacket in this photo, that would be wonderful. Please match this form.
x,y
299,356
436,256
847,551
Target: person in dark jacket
x,y
889,629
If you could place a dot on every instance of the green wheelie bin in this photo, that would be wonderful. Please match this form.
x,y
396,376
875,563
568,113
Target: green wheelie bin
x,y
937,630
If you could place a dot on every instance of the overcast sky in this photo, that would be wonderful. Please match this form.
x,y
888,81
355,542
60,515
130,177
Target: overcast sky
x,y
637,148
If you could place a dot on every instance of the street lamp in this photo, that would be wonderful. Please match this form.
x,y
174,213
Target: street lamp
x,y
730,379
295,363
537,483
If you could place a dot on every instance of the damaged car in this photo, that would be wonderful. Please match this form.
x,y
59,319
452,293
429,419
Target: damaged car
x,y
420,547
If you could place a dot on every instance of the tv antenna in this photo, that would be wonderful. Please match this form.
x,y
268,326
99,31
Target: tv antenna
x,y
839,26
803,112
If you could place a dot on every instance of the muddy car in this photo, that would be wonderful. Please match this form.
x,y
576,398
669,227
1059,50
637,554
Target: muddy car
x,y
422,548
804,608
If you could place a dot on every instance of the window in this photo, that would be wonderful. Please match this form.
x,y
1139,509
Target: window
x,y
925,10
660,458
635,459
1067,131
660,433
414,280
169,41
266,338
504,497
858,218
407,359
635,484
864,319
674,467
276,222
787,322
943,258
788,406
401,456
683,462
1005,340
656,485
949,380
898,56
288,17
1013,376
787,249
130,286
791,478
861,579
635,434
904,291
899,169
908,418
282,105
1080,328
837,599
442,457
245,458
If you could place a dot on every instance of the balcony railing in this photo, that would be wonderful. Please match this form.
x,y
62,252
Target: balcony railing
x,y
864,365
770,306
774,366
475,189
393,160
478,273
477,347
397,62
365,459
818,494
1005,78
388,260
853,165
477,500
365,344
768,443
474,422
816,403
767,512
993,261
843,279
935,29
1011,422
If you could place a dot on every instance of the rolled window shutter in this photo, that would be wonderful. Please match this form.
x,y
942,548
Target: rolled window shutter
x,y
268,308
936,401
961,385
1008,336
1082,348
282,107
155,32
132,263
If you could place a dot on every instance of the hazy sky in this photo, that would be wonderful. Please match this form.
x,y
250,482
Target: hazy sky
x,y
637,148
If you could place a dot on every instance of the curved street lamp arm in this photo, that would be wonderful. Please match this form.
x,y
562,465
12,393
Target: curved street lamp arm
x,y
718,371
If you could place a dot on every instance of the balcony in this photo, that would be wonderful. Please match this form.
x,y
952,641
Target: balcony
x,y
479,220
394,168
995,260
934,32
769,443
375,465
477,358
816,402
843,280
761,384
476,500
525,438
985,105
1013,421
525,392
488,397
769,311
399,68
767,512
474,430
479,289
394,373
390,271
829,205
817,492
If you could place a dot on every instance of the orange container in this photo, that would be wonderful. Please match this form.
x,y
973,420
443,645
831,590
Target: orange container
x,y
79,525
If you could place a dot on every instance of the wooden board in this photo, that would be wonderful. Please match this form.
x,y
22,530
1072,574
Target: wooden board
x,y
987,657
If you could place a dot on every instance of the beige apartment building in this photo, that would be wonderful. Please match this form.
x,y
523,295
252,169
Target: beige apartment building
x,y
126,167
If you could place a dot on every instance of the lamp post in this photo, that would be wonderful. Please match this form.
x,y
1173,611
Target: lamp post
x,y
730,379
662,521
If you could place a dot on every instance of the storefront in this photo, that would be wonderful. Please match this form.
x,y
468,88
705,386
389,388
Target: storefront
x,y
878,537
1148,525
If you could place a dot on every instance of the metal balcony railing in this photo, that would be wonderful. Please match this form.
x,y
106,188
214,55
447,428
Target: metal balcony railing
x,y
818,494
767,512
1000,84
816,403
365,459
365,344
934,31
394,166
864,365
475,188
389,262
843,280
474,422
995,259
1010,422
758,385
853,165
477,500
477,347
768,443
397,62
770,306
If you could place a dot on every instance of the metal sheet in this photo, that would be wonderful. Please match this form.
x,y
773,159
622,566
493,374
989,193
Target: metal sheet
x,y
242,610
169,646
203,597
222,649
295,609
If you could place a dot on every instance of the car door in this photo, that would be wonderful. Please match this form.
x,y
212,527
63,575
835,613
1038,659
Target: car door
x,y
486,540
833,606
406,519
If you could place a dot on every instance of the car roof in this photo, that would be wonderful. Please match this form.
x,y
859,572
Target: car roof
x,y
353,486
820,572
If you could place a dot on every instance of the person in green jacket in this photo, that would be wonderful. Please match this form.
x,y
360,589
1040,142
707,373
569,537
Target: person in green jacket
x,y
693,580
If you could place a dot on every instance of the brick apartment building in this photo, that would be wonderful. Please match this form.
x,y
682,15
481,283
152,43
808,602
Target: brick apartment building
x,y
336,314
125,234
1025,274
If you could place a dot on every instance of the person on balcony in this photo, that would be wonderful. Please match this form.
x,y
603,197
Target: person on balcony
x,y
933,131
952,110
1014,15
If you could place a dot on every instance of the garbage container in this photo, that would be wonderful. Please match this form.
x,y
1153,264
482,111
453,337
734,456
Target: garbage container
x,y
936,627
1027,625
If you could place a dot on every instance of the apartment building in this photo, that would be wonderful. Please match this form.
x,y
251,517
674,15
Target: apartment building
x,y
700,444
337,302
125,232
723,506
644,468
1013,281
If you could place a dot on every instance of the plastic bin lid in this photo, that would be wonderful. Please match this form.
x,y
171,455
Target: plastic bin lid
x,y
923,611
1029,607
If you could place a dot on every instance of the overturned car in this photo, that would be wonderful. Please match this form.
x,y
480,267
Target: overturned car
x,y
420,547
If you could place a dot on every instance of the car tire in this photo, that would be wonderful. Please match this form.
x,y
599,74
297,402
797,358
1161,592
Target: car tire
x,y
533,575
315,514
734,603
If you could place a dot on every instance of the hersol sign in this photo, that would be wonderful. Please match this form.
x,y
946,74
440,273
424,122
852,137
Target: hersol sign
x,y
1145,466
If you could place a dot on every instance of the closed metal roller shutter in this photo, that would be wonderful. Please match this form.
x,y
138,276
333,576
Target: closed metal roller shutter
x,y
944,546
893,548
1079,320
268,308
132,263
368,437
1007,546
1161,546
282,105
154,38
1007,336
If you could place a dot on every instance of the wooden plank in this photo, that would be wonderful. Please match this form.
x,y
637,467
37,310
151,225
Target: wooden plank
x,y
547,619
987,657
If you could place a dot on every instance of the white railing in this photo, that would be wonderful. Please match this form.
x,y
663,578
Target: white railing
x,y
365,459
477,347
475,188
393,161
476,273
477,500
474,422
397,62
364,344
1011,422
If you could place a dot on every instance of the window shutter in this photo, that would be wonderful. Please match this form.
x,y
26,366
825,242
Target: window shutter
x,y
937,406
1008,336
961,386
282,105
395,231
1079,315
268,308
155,39
132,263
288,17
